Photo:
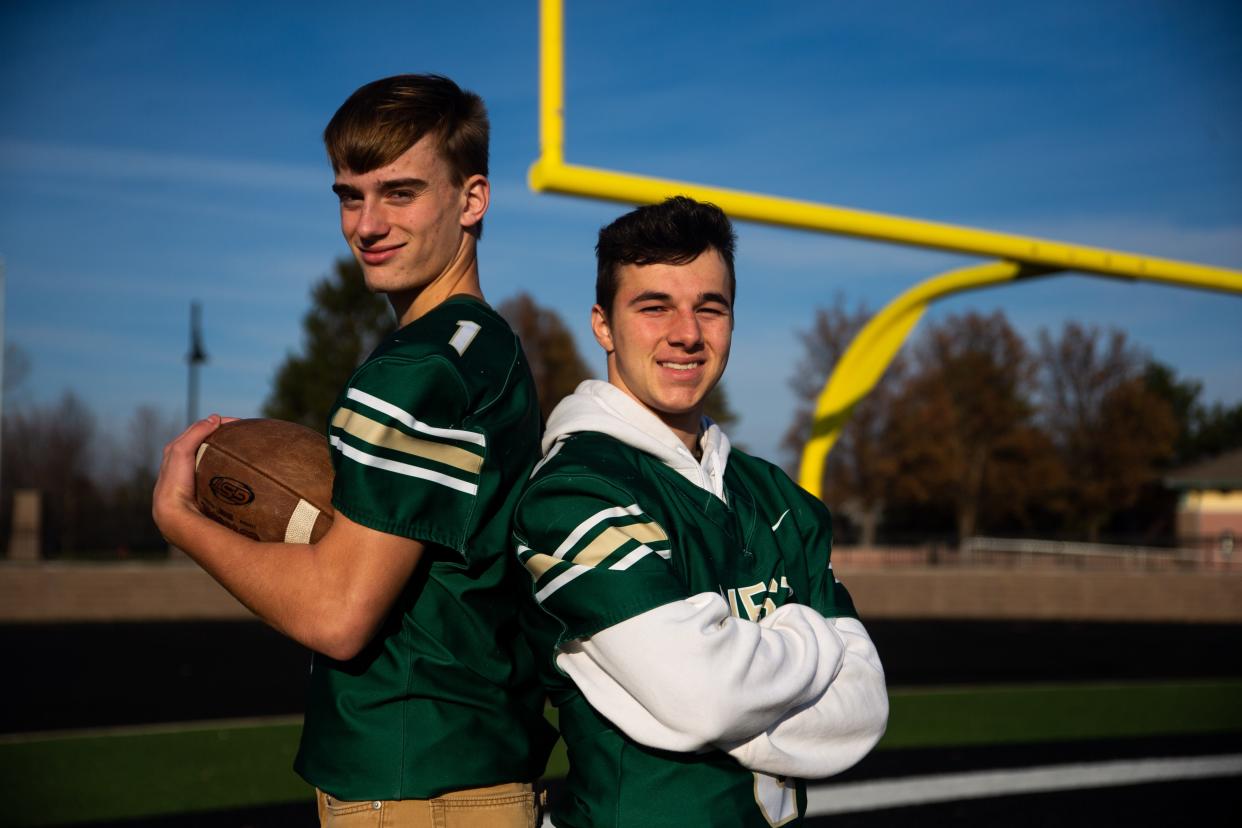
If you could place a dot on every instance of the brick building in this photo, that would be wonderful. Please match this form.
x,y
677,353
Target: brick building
x,y
1209,510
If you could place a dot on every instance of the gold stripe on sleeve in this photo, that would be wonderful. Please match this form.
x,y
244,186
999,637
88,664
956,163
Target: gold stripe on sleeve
x,y
614,537
378,434
540,563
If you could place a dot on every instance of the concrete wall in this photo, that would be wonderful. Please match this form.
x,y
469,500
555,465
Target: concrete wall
x,y
51,592
1045,595
112,592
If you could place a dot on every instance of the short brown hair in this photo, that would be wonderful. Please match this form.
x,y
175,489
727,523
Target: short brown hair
x,y
386,117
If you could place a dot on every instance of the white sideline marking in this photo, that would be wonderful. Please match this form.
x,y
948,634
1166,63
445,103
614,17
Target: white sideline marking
x,y
823,800
950,787
154,729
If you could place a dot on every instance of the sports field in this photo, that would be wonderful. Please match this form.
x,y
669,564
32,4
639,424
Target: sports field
x,y
233,772
230,765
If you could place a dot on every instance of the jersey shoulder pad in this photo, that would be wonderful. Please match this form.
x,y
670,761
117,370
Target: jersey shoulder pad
x,y
472,341
592,454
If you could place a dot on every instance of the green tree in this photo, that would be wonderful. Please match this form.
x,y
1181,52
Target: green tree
x,y
550,350
344,324
716,405
50,447
1202,431
1112,431
134,475
860,473
1217,429
962,431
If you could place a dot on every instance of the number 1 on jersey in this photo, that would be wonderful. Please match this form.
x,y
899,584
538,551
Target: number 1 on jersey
x,y
466,332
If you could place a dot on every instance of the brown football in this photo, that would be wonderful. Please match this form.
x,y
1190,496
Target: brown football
x,y
267,479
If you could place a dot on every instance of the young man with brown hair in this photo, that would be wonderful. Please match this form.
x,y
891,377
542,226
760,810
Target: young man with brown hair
x,y
706,659
422,698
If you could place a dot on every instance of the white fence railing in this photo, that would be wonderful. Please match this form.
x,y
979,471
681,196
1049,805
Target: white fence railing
x,y
1032,553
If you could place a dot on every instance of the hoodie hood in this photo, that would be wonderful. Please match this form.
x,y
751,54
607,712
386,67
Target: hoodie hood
x,y
602,407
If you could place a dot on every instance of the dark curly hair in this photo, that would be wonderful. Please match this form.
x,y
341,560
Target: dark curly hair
x,y
675,231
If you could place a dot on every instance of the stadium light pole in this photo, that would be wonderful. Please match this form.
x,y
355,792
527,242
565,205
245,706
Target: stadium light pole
x,y
196,357
3,351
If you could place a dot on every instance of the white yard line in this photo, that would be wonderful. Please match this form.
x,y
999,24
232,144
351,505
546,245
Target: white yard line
x,y
150,729
950,787
823,800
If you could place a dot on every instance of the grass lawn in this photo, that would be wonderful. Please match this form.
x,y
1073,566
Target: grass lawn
x,y
134,772
992,715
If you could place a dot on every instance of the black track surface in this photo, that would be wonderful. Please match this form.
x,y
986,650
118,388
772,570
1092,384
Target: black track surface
x,y
975,652
91,675
1201,803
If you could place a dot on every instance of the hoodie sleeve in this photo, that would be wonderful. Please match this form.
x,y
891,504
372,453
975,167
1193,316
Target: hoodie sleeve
x,y
794,694
838,727
834,730
687,676
674,671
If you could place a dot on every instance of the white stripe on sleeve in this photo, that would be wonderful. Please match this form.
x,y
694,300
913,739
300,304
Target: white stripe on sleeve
x,y
560,580
402,468
638,554
403,417
593,521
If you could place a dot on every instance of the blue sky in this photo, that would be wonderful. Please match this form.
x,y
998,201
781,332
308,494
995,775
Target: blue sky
x,y
156,153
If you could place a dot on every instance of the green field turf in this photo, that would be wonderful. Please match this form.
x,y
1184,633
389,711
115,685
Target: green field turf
x,y
134,772
953,717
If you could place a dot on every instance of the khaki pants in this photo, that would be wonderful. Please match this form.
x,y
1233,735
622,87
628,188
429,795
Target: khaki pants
x,y
500,806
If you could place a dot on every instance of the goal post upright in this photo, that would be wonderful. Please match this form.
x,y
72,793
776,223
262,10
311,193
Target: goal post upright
x,y
873,349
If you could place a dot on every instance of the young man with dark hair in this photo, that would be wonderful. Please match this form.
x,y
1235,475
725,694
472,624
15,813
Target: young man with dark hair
x,y
423,699
707,659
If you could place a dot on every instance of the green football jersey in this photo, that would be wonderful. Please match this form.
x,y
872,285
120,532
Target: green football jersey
x,y
609,532
431,440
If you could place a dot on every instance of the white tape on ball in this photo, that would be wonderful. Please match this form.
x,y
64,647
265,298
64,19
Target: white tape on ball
x,y
301,523
199,455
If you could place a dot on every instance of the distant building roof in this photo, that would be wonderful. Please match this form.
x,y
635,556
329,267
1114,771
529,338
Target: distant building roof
x,y
1224,471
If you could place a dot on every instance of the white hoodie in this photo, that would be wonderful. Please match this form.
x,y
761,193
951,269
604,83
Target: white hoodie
x,y
795,694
